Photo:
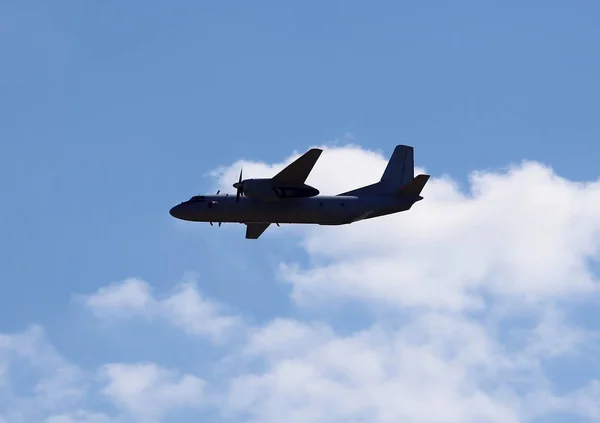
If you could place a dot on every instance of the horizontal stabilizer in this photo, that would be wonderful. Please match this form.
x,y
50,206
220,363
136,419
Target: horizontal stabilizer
x,y
414,187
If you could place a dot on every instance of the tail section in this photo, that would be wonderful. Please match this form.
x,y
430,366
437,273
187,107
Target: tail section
x,y
398,178
414,187
400,170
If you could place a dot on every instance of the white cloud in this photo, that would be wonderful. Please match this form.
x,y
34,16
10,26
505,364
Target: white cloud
x,y
469,268
132,296
282,336
426,372
185,307
470,293
147,391
526,234
36,380
39,385
59,383
437,368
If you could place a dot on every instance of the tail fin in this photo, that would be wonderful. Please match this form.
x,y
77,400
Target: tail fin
x,y
398,177
400,170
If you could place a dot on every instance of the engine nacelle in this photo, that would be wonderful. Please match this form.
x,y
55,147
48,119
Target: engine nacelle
x,y
259,188
265,189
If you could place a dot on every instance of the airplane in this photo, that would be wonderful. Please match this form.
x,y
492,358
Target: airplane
x,y
286,198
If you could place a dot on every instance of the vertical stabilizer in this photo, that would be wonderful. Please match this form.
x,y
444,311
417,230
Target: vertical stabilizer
x,y
400,170
398,178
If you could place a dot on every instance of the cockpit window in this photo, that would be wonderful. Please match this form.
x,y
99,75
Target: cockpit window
x,y
197,198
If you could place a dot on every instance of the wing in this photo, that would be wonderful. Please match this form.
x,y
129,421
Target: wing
x,y
297,171
254,230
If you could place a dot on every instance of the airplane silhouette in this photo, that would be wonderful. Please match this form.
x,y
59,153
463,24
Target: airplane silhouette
x,y
286,198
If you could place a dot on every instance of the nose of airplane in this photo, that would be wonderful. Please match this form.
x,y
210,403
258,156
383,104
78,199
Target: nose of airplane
x,y
176,211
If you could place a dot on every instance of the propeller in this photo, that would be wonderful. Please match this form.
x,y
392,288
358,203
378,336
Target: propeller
x,y
240,187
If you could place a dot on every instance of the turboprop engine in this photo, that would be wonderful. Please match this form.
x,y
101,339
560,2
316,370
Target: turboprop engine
x,y
265,189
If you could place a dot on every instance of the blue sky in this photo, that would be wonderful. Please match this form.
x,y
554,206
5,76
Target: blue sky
x,y
112,112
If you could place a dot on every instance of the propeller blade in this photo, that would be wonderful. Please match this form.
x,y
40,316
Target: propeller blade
x,y
210,223
239,186
220,224
218,191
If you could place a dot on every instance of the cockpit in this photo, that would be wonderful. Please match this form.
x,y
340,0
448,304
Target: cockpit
x,y
197,199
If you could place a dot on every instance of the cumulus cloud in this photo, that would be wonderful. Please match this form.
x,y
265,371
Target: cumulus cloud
x,y
281,336
525,234
185,307
424,372
147,391
35,380
482,281
37,384
132,296
438,367
59,381
471,297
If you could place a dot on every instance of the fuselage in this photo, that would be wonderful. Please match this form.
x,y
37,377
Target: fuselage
x,y
322,210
